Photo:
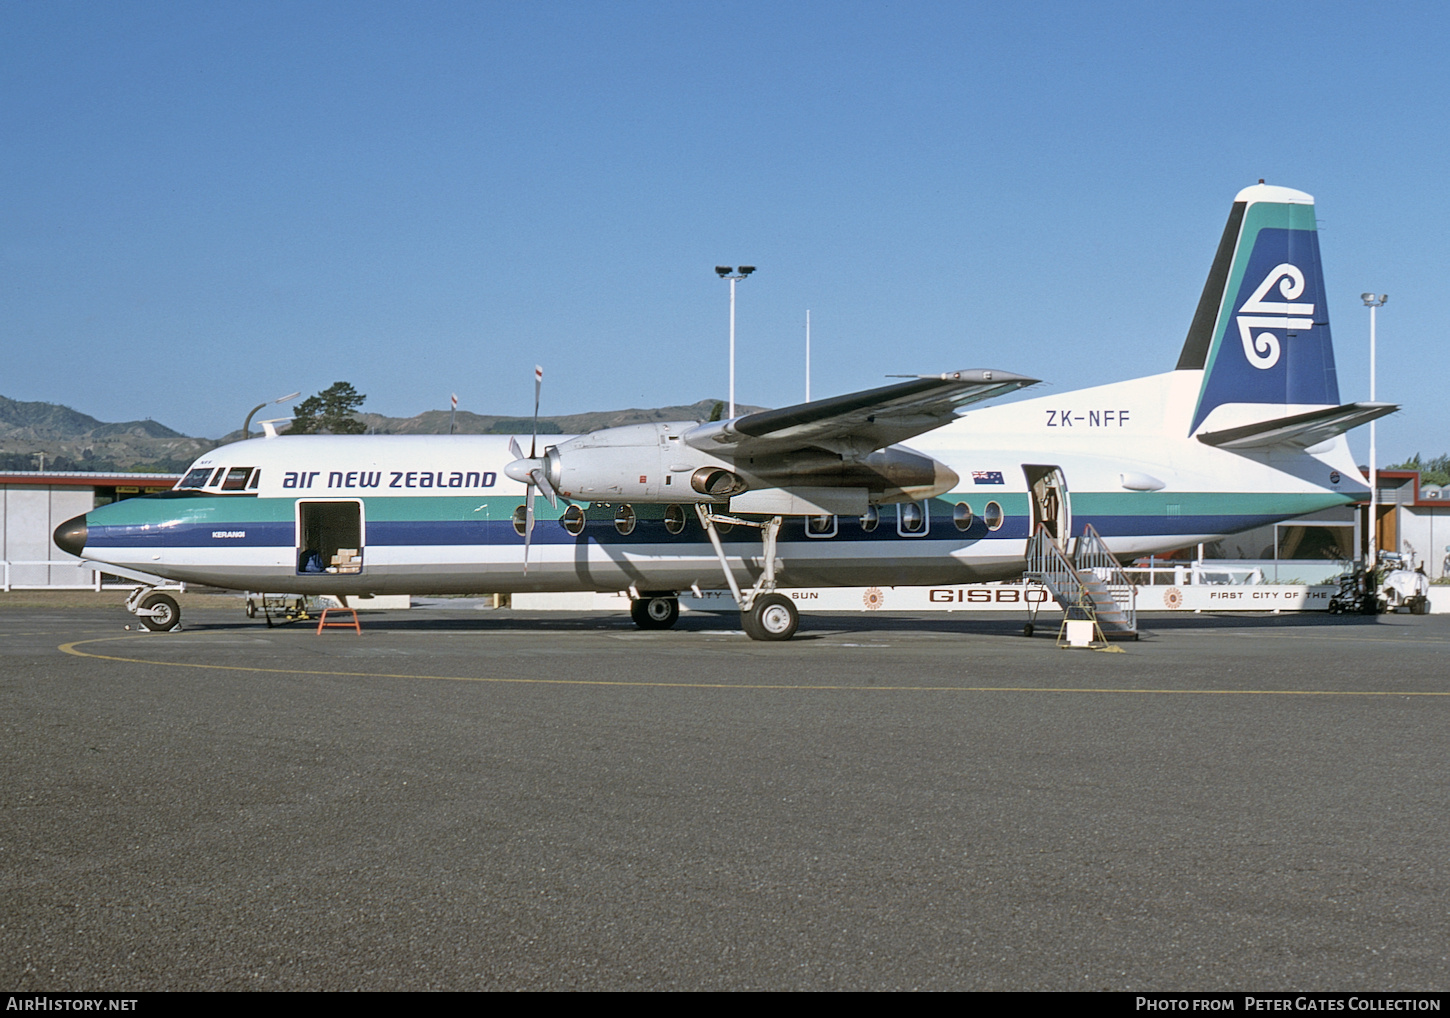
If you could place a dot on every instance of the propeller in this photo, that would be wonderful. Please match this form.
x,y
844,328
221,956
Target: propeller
x,y
529,470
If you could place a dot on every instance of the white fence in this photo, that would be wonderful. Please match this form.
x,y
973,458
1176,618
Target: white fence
x,y
62,574
975,597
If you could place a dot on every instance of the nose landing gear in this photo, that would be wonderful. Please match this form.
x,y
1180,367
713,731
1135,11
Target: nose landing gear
x,y
158,612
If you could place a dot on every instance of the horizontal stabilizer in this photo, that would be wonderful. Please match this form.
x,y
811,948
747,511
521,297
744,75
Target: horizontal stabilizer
x,y
1298,430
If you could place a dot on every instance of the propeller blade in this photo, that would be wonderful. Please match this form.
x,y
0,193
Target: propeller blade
x,y
542,482
538,384
528,524
536,478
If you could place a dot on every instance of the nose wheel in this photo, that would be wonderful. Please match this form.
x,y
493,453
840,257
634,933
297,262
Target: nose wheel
x,y
158,612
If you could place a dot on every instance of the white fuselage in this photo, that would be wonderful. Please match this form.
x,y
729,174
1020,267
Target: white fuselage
x,y
436,514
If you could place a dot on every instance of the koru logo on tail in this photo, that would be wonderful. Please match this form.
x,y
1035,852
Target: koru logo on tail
x,y
1262,350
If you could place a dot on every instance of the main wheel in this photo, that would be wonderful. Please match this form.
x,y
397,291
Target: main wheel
x,y
772,617
654,612
166,613
251,608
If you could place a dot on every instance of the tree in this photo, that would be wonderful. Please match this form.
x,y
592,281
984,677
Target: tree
x,y
330,411
1432,471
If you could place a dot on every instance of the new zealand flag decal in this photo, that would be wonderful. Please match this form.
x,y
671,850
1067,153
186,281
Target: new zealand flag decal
x,y
987,477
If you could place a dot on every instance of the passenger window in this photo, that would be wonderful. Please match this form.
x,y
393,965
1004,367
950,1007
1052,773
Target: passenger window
x,y
820,526
574,520
624,520
911,519
993,516
674,519
962,516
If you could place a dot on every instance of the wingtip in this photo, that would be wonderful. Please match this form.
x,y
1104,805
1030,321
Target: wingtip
x,y
989,375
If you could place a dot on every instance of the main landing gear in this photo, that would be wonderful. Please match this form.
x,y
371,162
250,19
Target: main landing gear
x,y
770,617
655,611
764,614
158,612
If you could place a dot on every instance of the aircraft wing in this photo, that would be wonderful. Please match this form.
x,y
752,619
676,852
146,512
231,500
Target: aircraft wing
x,y
857,422
1298,430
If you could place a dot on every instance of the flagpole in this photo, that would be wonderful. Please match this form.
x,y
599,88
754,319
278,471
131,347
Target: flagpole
x,y
808,355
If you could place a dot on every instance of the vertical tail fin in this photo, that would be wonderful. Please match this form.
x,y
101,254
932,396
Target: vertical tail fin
x,y
1261,332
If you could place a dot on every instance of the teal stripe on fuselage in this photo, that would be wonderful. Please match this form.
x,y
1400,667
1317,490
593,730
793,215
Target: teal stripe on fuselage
x,y
1113,512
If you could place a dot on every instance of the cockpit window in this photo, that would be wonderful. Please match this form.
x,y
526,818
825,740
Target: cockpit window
x,y
236,479
256,480
195,479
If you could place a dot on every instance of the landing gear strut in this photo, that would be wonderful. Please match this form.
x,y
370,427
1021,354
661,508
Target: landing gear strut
x,y
764,614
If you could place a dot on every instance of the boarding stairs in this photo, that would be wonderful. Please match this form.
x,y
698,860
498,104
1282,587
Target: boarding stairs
x,y
1089,584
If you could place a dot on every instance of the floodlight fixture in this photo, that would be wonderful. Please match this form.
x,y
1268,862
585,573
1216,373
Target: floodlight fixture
x,y
247,424
723,270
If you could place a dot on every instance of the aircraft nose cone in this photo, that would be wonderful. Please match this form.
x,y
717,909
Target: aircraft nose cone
x,y
70,536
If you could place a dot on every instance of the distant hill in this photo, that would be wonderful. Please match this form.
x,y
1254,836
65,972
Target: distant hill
x,y
435,422
72,440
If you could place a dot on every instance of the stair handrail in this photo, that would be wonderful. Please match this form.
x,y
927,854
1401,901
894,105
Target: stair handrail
x,y
1091,554
1048,564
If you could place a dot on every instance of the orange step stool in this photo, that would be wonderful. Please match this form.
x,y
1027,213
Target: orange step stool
x,y
322,622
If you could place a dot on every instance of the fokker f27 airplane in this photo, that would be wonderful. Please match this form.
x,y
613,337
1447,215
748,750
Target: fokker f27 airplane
x,y
1246,430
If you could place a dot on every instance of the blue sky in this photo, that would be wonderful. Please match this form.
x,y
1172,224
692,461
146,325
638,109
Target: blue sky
x,y
206,205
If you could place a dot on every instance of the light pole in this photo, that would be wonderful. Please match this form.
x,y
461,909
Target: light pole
x,y
727,272
247,424
1373,302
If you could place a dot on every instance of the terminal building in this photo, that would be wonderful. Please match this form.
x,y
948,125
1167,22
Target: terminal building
x,y
1412,520
34,502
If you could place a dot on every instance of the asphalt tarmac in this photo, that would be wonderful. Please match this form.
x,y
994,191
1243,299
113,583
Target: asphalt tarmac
x,y
465,799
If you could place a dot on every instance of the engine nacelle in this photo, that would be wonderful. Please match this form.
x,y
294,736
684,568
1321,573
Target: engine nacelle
x,y
652,463
717,482
635,463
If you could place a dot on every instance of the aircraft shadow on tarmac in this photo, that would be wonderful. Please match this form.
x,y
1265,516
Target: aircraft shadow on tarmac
x,y
813,625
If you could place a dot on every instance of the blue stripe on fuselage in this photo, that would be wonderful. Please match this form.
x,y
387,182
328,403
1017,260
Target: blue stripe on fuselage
x,y
652,532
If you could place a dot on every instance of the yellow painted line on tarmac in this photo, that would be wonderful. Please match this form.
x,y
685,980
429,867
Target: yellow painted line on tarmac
x,y
71,648
44,632
1388,641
